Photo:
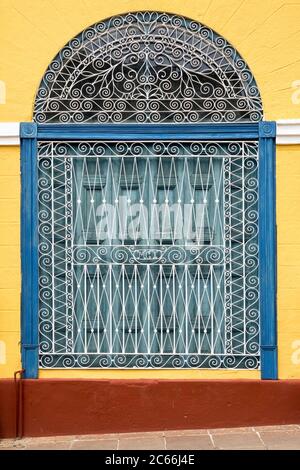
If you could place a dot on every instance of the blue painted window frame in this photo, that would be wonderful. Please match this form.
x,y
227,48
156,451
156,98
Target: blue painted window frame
x,y
264,132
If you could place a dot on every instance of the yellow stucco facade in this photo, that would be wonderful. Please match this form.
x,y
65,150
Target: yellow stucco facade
x,y
265,33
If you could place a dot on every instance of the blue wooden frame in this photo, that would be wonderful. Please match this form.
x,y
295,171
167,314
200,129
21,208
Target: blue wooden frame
x,y
29,251
264,131
147,131
267,250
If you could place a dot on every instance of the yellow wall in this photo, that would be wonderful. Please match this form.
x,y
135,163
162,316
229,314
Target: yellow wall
x,y
265,33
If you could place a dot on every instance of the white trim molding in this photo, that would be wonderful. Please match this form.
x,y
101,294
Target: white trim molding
x,y
9,133
288,132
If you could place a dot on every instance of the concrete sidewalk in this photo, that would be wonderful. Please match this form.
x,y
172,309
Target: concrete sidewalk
x,y
263,438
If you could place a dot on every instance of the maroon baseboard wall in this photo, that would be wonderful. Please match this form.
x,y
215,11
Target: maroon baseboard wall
x,y
58,406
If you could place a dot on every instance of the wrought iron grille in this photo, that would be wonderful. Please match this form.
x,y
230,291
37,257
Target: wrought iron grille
x,y
148,67
148,254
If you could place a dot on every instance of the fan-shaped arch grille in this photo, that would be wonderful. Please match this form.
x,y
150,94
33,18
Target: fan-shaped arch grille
x,y
148,67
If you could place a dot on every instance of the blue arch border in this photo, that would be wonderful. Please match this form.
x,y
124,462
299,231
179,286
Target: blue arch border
x,y
264,132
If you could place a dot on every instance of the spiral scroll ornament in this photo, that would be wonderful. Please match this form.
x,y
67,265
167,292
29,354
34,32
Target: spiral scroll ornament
x,y
148,67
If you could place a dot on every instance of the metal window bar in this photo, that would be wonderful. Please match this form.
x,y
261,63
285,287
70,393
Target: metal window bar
x,y
148,300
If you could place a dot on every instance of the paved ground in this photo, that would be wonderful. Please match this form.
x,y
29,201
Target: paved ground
x,y
270,437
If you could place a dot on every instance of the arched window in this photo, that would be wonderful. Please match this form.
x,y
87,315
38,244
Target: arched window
x,y
148,67
148,248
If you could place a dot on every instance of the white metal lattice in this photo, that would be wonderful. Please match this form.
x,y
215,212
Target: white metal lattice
x,y
148,67
148,254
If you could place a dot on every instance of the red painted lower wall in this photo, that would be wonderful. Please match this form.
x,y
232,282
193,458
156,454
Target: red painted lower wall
x,y
57,406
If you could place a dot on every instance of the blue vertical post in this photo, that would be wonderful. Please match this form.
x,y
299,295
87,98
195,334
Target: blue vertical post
x,y
29,250
267,249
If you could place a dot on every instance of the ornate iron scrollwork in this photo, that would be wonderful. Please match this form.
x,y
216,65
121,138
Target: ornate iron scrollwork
x,y
148,67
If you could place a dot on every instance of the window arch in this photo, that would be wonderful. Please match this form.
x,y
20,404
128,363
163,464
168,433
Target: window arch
x,y
148,67
119,300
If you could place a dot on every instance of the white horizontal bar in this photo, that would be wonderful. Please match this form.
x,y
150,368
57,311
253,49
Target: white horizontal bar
x,y
9,133
288,132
